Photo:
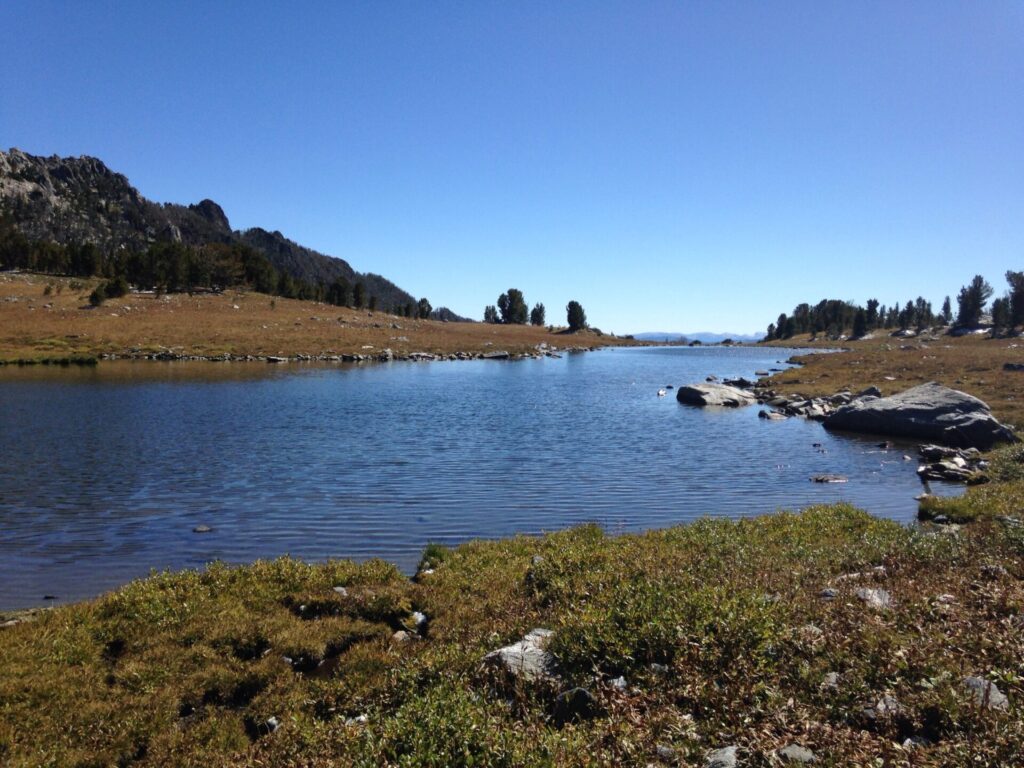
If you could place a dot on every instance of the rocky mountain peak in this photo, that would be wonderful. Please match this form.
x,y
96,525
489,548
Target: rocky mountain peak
x,y
213,213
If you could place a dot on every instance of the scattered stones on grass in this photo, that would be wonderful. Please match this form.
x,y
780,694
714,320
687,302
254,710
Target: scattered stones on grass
x,y
527,659
721,758
794,753
985,693
665,753
994,572
876,599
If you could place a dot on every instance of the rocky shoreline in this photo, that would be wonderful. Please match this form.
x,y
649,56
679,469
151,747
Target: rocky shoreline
x,y
962,424
384,356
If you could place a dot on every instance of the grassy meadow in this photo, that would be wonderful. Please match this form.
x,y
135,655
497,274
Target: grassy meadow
x,y
49,318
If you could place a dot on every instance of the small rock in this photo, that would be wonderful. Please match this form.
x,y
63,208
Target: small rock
x,y
658,669
829,479
993,571
271,723
401,636
418,619
887,706
527,659
202,529
341,591
945,599
794,753
665,754
878,599
986,694
619,683
575,704
831,681
828,593
357,720
721,758
916,742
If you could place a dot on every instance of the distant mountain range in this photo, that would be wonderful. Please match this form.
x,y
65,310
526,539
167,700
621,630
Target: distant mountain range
x,y
79,199
704,337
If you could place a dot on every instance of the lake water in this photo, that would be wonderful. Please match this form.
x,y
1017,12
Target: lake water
x,y
105,472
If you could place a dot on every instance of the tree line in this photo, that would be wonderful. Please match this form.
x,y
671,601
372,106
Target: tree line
x,y
834,317
177,268
511,309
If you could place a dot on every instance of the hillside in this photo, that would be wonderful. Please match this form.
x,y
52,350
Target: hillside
x,y
44,318
81,200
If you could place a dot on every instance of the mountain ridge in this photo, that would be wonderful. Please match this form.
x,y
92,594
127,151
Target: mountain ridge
x,y
80,199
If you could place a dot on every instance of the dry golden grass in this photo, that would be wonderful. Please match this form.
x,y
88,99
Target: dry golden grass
x,y
972,364
34,325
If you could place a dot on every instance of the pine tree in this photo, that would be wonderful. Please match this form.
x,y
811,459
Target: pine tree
x,y
971,301
575,316
860,324
537,314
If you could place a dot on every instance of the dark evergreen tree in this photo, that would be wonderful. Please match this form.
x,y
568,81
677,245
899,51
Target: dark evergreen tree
x,y
1016,281
575,316
971,301
359,295
870,314
1001,314
947,312
537,314
512,306
490,314
339,293
424,309
860,324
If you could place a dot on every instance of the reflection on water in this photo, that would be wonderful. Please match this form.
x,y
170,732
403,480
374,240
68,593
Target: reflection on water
x,y
106,471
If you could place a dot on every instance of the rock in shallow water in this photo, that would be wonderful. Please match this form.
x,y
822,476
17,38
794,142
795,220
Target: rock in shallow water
x,y
714,395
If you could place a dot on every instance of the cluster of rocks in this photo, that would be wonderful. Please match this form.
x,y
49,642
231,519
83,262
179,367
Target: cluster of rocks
x,y
814,408
961,465
963,424
384,356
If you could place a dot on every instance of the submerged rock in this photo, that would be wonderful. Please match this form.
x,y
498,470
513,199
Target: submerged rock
x,y
714,395
930,412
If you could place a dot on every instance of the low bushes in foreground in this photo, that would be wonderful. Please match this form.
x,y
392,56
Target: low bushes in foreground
x,y
756,633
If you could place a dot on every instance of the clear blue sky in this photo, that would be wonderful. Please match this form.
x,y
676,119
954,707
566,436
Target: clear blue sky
x,y
671,165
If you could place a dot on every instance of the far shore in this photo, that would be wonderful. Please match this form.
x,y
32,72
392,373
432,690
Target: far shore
x,y
47,319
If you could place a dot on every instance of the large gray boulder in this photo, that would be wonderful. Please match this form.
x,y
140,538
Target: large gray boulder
x,y
714,394
927,412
